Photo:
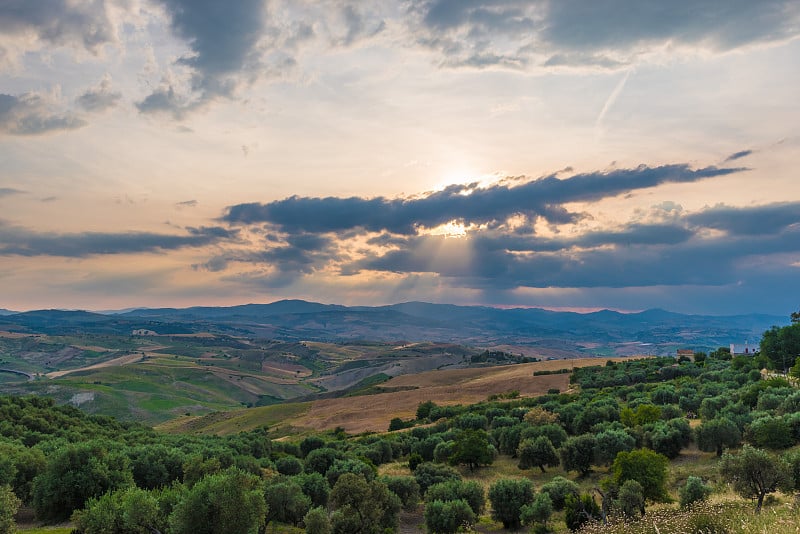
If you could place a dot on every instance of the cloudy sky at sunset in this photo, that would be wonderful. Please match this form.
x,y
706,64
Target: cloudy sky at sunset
x,y
568,154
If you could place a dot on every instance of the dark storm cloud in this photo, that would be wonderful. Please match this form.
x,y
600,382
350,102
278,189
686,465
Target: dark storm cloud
x,y
756,220
59,22
504,262
31,114
99,98
16,241
223,38
468,203
578,33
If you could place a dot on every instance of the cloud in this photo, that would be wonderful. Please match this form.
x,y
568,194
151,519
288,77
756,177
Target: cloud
x,y
165,100
502,262
59,22
186,204
99,98
17,241
543,198
32,114
749,221
358,25
223,39
602,33
8,191
738,155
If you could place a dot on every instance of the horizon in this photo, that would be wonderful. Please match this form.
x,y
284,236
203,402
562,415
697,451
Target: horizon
x,y
540,154
501,308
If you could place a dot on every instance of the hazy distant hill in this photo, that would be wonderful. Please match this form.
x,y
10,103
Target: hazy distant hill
x,y
602,332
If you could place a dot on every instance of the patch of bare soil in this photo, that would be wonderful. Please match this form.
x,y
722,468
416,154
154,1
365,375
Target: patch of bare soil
x,y
122,360
446,387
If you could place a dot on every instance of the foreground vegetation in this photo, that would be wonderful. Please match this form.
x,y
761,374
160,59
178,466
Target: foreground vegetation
x,y
653,445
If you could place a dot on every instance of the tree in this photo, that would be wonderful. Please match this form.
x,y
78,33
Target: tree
x,y
288,465
694,490
427,474
577,453
448,517
231,501
317,521
579,510
718,433
75,474
315,486
286,502
406,488
126,511
9,504
472,448
770,432
558,488
424,409
537,452
538,416
781,345
154,465
311,443
630,500
539,511
755,474
611,442
508,496
362,507
453,490
646,467
349,465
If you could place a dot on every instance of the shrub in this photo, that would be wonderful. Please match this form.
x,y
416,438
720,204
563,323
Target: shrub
x,y
694,491
448,517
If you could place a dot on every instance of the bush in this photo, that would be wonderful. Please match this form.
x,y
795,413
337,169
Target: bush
x,y
579,510
694,491
448,517
9,503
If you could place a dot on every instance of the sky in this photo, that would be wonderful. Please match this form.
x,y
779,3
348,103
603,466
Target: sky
x,y
620,154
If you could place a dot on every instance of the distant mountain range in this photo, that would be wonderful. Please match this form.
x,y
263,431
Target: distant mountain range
x,y
604,332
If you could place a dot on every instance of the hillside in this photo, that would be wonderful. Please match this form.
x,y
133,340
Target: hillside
x,y
606,333
398,397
